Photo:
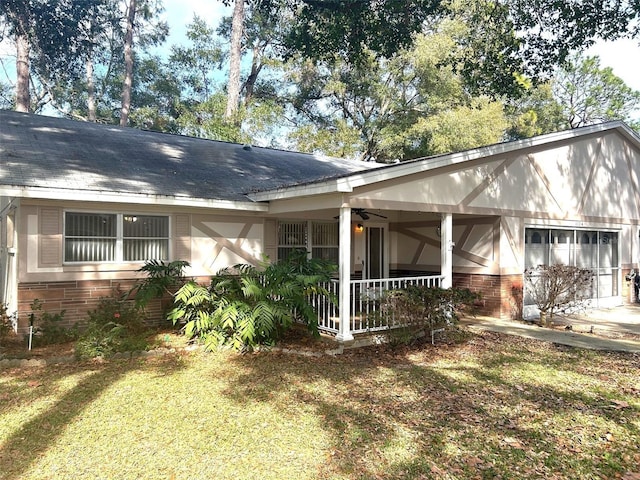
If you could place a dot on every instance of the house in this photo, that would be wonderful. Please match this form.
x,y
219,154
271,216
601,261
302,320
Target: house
x,y
83,205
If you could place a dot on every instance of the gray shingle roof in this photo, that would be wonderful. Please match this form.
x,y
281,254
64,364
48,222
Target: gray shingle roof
x,y
39,151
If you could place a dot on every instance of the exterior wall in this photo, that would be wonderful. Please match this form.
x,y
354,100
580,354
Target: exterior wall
x,y
567,183
501,294
487,258
511,297
208,242
219,241
416,245
8,259
76,298
564,185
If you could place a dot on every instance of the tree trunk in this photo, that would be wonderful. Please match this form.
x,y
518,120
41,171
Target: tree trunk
x,y
256,66
233,88
128,65
543,319
23,97
91,93
546,318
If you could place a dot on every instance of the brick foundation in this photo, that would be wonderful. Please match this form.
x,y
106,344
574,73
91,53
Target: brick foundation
x,y
77,298
501,295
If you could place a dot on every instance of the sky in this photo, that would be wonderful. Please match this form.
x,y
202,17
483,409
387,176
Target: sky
x,y
623,57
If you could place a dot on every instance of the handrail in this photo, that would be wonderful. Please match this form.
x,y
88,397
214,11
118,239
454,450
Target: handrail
x,y
365,298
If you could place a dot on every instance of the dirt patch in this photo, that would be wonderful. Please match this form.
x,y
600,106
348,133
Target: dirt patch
x,y
14,346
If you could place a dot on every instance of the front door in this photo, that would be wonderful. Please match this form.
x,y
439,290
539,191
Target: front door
x,y
375,252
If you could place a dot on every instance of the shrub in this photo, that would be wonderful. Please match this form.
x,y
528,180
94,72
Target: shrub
x,y
244,306
114,326
557,288
414,311
6,325
48,328
161,279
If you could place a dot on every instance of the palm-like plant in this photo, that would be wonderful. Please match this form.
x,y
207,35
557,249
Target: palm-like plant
x,y
161,279
245,306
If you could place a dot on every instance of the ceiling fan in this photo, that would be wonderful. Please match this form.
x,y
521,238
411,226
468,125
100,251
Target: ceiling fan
x,y
363,214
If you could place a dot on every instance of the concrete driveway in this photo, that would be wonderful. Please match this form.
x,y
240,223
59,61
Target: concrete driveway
x,y
613,329
613,321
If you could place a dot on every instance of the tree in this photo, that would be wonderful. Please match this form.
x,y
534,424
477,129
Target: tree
x,y
413,104
195,64
589,94
254,41
558,287
325,29
206,120
76,52
536,112
23,98
147,10
480,123
235,56
51,33
128,63
158,95
6,96
544,32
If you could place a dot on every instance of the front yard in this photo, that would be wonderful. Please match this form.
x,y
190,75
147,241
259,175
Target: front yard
x,y
491,406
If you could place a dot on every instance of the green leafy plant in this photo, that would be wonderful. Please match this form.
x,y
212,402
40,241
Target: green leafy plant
x,y
414,311
6,325
114,326
48,328
161,279
555,288
245,306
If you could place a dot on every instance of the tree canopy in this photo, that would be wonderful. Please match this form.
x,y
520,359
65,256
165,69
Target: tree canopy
x,y
535,35
589,93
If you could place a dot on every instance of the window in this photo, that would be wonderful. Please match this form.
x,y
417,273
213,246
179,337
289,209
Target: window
x,y
291,236
89,237
322,243
596,250
325,243
145,238
97,237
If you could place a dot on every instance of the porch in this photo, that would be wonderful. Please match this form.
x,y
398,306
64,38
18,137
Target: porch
x,y
366,315
358,307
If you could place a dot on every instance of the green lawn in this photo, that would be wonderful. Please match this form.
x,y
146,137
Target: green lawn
x,y
490,407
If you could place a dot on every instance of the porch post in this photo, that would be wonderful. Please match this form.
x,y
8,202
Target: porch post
x,y
446,249
344,259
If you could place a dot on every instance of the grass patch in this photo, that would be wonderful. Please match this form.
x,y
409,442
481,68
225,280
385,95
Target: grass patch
x,y
491,407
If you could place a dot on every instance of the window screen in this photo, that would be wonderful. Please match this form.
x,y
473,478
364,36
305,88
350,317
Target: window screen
x,y
97,237
90,237
145,238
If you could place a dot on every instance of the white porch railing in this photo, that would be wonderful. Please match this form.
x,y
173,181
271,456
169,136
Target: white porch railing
x,y
365,303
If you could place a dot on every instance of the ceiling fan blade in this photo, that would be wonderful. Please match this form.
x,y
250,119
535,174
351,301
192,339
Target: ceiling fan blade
x,y
362,213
